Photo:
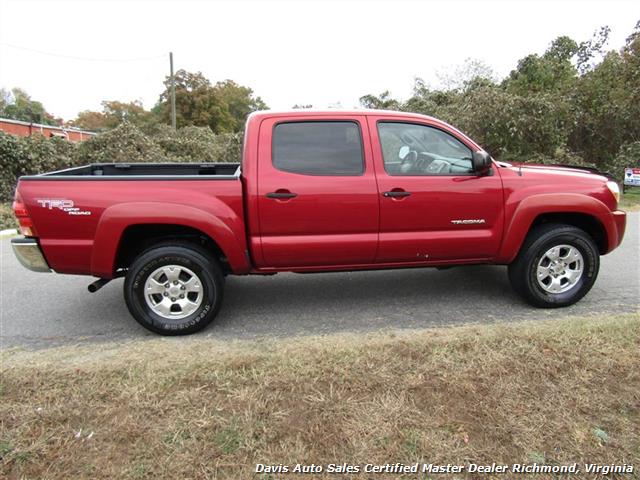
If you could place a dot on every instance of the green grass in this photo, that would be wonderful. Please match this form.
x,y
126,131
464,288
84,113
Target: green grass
x,y
631,199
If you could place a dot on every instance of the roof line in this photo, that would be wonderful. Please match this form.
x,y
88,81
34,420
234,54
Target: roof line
x,y
42,125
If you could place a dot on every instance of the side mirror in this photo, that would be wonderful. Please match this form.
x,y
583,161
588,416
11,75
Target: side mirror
x,y
481,162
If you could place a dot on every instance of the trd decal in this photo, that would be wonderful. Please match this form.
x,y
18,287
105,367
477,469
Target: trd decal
x,y
62,204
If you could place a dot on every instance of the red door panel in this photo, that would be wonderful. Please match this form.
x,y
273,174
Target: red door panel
x,y
443,217
311,220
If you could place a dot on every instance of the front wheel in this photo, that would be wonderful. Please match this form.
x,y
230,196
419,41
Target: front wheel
x,y
556,267
174,289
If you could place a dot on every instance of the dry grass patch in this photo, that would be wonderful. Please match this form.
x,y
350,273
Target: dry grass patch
x,y
564,391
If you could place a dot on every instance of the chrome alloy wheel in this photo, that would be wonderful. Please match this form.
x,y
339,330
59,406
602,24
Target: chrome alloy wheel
x,y
173,292
560,269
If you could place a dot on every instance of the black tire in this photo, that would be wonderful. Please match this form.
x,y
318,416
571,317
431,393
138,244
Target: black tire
x,y
189,258
523,270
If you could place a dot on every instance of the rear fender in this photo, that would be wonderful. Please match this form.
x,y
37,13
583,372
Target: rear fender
x,y
225,228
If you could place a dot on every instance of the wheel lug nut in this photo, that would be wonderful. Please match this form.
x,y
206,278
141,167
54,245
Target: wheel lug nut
x,y
181,295
166,294
173,299
166,285
175,282
182,287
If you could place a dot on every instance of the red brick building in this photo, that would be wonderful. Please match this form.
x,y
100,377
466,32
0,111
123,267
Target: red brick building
x,y
26,129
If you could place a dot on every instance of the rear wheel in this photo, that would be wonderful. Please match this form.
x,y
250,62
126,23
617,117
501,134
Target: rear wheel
x,y
557,266
174,289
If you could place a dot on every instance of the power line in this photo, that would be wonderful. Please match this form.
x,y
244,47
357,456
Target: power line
x,y
86,59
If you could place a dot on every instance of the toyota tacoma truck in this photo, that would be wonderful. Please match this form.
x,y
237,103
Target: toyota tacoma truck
x,y
317,191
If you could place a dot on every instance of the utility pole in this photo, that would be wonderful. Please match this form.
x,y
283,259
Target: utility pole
x,y
173,93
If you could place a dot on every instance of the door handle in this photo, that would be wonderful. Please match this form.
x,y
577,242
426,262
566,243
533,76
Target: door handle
x,y
396,193
281,195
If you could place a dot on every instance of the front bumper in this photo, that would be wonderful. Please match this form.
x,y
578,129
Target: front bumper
x,y
620,221
29,254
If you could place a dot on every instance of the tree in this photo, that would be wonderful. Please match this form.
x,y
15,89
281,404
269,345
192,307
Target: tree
x,y
113,114
607,104
18,105
6,98
90,120
466,74
240,102
223,107
551,72
383,101
591,50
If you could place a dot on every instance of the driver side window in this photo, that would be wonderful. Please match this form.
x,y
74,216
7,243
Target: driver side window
x,y
413,149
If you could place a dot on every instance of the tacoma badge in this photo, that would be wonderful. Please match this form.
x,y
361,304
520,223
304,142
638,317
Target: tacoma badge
x,y
468,221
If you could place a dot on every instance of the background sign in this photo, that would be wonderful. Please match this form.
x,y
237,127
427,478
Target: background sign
x,y
632,176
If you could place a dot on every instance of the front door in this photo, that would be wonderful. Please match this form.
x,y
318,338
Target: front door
x,y
317,197
433,207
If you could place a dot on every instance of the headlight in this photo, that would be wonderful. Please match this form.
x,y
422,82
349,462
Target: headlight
x,y
614,189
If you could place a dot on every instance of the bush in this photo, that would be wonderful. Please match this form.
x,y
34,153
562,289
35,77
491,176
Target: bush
x,y
628,157
7,218
512,127
561,156
12,161
124,144
30,155
198,144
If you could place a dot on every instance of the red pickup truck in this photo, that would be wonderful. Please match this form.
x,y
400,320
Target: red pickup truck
x,y
317,191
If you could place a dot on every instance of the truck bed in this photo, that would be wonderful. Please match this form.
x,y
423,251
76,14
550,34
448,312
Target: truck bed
x,y
142,171
81,214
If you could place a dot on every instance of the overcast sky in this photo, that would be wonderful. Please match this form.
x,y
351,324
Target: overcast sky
x,y
74,54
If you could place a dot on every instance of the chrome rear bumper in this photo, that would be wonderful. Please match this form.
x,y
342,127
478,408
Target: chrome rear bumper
x,y
29,254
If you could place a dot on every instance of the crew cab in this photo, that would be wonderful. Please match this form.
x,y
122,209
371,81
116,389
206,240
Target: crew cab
x,y
317,191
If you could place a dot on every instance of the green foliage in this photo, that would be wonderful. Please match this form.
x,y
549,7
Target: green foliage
x,y
223,107
561,156
240,102
627,157
90,120
198,144
508,125
460,77
18,105
12,161
575,104
113,114
29,155
551,72
124,144
512,126
383,101
7,220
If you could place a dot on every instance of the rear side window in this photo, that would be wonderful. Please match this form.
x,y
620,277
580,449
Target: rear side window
x,y
318,148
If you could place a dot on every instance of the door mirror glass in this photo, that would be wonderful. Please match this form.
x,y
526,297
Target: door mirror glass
x,y
481,162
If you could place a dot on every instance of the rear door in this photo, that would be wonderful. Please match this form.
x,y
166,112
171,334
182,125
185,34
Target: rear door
x,y
317,195
433,206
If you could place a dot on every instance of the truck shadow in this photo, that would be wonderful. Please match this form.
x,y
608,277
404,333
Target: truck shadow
x,y
322,303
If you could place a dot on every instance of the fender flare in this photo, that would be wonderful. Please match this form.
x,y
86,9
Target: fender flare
x,y
531,207
224,228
